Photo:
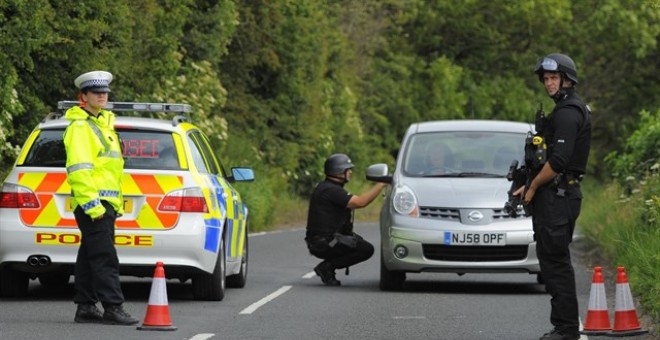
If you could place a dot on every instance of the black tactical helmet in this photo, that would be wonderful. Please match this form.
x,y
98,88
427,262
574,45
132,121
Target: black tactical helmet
x,y
557,62
336,164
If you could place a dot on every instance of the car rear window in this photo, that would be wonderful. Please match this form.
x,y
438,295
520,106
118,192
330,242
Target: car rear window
x,y
148,150
142,150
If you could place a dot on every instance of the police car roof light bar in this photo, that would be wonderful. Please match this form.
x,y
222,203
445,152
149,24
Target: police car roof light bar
x,y
129,106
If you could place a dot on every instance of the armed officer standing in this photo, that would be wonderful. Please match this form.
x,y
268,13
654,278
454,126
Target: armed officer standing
x,y
330,233
554,193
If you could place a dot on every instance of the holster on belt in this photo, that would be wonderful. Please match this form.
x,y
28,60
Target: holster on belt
x,y
563,181
320,243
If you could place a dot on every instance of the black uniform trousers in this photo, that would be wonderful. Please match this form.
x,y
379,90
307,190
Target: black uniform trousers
x,y
554,223
97,265
342,256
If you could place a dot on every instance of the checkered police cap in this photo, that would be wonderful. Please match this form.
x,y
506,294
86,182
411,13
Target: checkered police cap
x,y
97,81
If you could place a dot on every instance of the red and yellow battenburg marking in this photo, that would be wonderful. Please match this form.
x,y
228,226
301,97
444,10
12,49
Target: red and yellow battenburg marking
x,y
151,187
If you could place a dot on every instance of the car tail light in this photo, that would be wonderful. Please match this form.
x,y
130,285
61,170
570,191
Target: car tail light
x,y
185,200
17,196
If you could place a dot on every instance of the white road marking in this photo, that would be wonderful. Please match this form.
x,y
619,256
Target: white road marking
x,y
309,275
250,309
202,336
409,317
261,233
582,336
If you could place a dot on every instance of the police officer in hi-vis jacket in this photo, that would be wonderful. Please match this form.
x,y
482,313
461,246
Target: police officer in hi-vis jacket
x,y
94,166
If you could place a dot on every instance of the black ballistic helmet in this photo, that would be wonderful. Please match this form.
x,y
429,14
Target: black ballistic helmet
x,y
557,62
336,164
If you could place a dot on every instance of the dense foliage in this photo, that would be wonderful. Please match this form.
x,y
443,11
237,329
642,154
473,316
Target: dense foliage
x,y
279,85
623,216
640,153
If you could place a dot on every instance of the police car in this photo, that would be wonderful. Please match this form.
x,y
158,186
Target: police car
x,y
180,207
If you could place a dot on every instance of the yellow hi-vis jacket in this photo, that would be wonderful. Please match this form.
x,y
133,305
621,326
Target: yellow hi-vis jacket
x,y
94,162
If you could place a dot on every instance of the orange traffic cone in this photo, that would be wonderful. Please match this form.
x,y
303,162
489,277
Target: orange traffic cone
x,y
625,316
158,312
598,319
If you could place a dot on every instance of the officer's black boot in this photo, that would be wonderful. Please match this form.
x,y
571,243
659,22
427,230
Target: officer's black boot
x,y
327,274
557,335
88,313
115,315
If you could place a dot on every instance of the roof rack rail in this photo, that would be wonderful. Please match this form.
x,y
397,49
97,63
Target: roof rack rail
x,y
130,106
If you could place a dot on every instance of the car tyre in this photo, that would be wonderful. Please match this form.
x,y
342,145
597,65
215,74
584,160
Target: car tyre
x,y
239,280
54,280
211,287
13,283
390,280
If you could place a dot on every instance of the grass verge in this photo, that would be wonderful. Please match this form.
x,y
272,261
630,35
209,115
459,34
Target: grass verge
x,y
625,231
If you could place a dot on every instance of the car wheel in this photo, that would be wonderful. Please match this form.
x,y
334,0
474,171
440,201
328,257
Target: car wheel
x,y
13,283
211,287
239,280
54,280
390,280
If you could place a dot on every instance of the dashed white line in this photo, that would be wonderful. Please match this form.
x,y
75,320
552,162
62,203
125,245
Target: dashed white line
x,y
202,336
309,275
253,307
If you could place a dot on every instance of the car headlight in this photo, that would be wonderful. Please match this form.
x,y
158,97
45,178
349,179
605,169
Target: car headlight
x,y
405,202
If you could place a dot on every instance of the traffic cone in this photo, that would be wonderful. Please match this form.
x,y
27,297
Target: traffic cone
x,y
598,319
158,312
625,316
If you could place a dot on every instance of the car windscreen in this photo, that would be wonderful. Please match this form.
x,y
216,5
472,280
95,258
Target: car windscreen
x,y
462,153
142,150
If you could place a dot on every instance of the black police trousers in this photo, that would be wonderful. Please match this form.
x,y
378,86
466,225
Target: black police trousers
x,y
97,265
342,256
554,222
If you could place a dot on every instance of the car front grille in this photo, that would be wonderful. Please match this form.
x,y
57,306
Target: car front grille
x,y
453,214
441,252
440,213
501,214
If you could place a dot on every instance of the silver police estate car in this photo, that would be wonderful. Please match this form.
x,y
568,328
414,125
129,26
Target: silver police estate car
x,y
444,211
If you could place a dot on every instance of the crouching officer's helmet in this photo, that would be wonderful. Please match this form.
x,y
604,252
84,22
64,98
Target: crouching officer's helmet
x,y
557,62
337,164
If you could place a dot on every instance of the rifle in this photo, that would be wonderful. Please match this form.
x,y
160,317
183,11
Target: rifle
x,y
518,176
535,157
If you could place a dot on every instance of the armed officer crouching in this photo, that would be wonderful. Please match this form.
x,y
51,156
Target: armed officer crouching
x,y
330,233
554,193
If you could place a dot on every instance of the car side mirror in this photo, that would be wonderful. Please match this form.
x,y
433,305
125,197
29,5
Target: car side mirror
x,y
379,173
242,174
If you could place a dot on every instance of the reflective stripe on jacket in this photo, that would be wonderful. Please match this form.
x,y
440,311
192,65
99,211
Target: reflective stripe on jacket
x,y
94,162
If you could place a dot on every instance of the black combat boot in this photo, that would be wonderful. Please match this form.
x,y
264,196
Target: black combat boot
x,y
327,274
557,335
115,315
88,313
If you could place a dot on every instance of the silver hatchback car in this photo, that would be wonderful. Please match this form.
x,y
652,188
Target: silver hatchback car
x,y
445,211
